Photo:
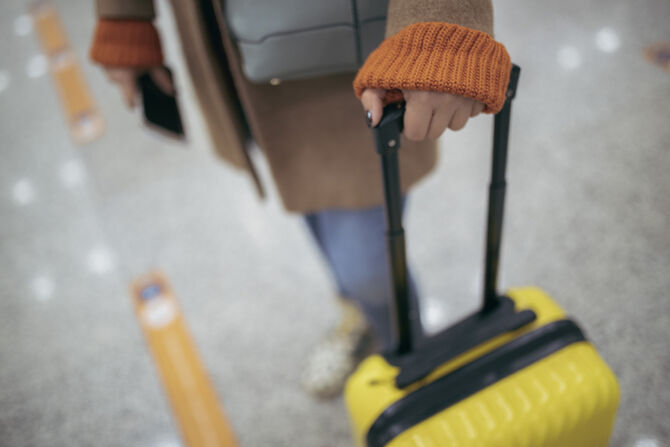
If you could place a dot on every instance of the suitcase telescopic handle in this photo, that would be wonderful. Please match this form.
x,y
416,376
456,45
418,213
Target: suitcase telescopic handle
x,y
497,194
387,140
387,135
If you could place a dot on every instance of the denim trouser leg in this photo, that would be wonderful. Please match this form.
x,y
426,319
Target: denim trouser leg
x,y
353,243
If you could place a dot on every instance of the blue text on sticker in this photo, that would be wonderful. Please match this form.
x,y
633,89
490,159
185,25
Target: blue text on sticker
x,y
150,291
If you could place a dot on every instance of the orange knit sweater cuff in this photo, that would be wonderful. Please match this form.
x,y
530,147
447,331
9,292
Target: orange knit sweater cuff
x,y
440,57
126,43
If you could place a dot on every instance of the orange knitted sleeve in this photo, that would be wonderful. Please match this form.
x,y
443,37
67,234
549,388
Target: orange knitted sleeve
x,y
440,57
126,43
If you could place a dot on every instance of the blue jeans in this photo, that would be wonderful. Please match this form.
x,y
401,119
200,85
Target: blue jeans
x,y
353,242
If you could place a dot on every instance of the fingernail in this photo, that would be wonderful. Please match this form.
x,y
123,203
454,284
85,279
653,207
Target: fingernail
x,y
368,118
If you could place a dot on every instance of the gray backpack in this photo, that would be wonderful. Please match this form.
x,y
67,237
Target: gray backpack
x,y
297,39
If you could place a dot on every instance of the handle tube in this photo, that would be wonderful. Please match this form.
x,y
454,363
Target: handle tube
x,y
496,200
387,140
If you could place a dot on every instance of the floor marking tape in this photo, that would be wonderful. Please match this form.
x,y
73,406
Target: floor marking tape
x,y
49,29
201,418
84,120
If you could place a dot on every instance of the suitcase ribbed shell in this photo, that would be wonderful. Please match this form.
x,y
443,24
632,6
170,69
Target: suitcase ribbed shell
x,y
568,398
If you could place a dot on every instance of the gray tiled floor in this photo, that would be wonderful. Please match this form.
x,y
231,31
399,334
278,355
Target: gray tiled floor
x,y
588,219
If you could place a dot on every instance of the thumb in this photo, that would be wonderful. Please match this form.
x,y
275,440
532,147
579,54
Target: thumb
x,y
162,79
372,100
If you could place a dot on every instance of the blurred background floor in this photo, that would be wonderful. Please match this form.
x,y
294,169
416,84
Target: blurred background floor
x,y
588,219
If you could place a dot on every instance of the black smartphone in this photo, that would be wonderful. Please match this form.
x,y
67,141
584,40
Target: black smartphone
x,y
160,109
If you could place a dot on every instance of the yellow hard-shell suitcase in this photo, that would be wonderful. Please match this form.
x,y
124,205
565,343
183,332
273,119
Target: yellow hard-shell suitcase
x,y
517,373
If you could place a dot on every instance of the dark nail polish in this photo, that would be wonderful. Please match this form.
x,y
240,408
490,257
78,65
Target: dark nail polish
x,y
368,118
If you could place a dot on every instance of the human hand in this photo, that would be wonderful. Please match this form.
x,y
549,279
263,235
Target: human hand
x,y
126,79
427,114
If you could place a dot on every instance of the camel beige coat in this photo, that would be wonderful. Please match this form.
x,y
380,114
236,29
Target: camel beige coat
x,y
312,132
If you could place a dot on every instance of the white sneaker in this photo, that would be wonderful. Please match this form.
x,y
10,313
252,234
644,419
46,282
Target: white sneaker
x,y
335,358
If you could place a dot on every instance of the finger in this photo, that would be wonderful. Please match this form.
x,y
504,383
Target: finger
x,y
418,115
477,108
460,117
440,122
163,80
372,100
129,91
125,79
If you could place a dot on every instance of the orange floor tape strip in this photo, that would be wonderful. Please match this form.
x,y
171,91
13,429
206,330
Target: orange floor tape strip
x,y
83,118
201,419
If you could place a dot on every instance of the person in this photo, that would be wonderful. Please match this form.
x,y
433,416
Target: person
x,y
438,55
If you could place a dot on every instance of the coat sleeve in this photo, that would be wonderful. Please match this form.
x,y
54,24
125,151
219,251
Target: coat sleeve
x,y
125,35
442,46
125,9
474,14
